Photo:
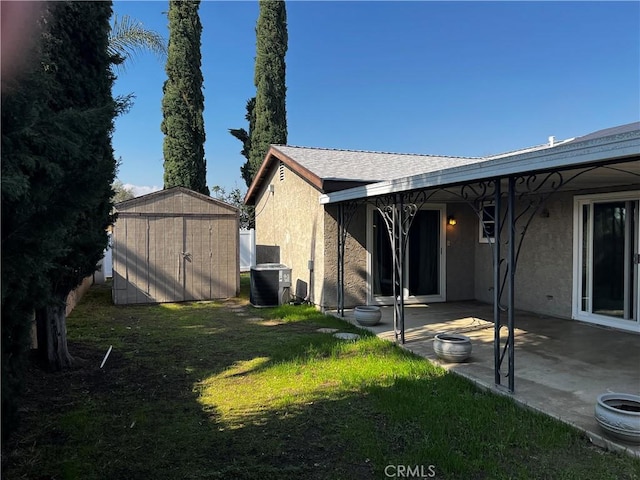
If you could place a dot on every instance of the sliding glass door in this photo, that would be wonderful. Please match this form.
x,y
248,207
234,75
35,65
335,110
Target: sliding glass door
x,y
424,258
606,287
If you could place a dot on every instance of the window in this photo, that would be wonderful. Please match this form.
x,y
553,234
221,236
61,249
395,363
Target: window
x,y
487,223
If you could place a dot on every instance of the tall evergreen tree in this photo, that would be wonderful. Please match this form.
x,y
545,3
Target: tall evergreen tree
x,y
245,137
29,173
269,78
57,170
183,101
79,67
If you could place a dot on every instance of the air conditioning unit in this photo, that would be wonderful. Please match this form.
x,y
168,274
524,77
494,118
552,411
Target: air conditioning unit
x,y
270,284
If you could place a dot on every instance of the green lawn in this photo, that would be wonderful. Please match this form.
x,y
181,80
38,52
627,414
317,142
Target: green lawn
x,y
222,390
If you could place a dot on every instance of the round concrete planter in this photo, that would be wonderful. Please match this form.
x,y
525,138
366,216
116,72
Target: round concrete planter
x,y
452,347
367,316
619,415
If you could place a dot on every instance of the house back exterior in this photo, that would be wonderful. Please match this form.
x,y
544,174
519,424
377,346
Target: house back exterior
x,y
576,216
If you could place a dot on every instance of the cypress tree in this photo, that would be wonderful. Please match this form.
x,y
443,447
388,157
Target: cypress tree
x,y
269,78
79,71
183,101
28,172
57,170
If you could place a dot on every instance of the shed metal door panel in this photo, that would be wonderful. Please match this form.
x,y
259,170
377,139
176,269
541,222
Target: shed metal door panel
x,y
165,262
198,276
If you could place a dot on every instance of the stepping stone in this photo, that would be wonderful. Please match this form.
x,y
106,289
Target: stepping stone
x,y
327,330
346,336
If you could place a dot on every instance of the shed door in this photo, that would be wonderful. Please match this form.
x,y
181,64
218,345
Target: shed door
x,y
181,269
166,270
197,258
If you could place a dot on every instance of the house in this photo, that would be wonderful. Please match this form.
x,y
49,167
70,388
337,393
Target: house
x,y
393,229
175,245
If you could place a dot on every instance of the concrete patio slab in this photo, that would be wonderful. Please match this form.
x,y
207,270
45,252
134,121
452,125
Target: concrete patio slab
x,y
561,366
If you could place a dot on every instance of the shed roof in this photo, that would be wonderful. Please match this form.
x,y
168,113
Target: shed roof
x,y
150,197
330,170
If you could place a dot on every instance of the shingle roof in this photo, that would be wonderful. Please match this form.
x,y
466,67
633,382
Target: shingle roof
x,y
365,166
322,165
621,129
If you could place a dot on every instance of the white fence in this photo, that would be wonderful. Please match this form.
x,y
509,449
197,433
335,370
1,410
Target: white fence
x,y
247,249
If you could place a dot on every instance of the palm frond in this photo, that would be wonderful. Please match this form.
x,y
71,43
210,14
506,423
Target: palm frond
x,y
129,38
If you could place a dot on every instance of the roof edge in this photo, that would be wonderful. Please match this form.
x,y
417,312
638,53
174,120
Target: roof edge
x,y
569,154
261,174
167,191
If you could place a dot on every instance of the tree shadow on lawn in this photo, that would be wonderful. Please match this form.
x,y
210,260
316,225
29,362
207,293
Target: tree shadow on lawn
x,y
140,413
143,415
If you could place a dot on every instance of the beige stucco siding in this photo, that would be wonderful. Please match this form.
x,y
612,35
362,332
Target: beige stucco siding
x,y
544,274
290,220
460,251
355,253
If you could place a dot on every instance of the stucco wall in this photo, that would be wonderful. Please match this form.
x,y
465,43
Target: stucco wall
x,y
290,220
460,252
461,242
355,274
545,267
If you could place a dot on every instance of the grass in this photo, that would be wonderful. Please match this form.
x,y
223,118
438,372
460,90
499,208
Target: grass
x,y
223,390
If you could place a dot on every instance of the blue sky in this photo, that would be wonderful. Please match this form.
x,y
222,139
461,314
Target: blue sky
x,y
446,78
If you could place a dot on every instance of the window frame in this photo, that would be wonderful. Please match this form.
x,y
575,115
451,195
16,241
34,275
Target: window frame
x,y
483,237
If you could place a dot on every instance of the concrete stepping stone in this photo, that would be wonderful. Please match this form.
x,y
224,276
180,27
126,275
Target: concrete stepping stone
x,y
327,330
346,336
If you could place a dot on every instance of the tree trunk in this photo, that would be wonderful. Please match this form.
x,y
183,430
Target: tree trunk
x,y
52,337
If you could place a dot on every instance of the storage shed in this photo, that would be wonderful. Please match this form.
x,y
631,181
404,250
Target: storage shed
x,y
175,245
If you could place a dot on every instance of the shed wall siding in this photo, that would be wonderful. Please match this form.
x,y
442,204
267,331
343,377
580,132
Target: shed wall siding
x,y
176,202
291,220
176,247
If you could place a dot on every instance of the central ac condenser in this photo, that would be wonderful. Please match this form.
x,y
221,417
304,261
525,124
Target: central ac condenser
x,y
270,284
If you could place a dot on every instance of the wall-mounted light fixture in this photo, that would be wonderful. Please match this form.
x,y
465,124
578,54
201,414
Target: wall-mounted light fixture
x,y
451,220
